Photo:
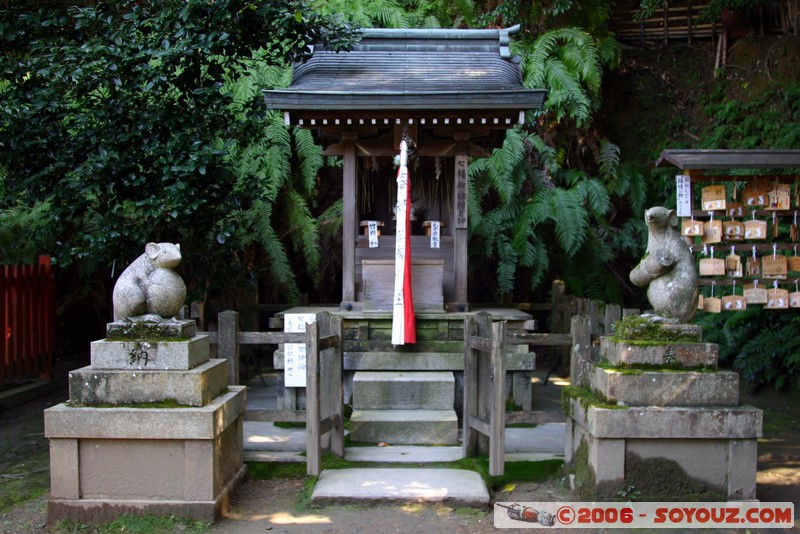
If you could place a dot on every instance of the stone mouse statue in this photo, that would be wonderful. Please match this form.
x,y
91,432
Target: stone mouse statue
x,y
149,289
668,267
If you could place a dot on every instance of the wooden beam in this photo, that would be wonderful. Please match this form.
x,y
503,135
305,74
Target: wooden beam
x,y
350,220
460,221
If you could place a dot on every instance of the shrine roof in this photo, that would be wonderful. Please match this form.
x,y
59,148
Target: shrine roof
x,y
730,159
412,69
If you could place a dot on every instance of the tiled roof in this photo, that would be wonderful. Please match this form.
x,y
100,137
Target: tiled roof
x,y
412,69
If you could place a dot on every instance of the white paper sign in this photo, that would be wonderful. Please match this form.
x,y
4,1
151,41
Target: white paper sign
x,y
294,354
683,188
372,232
436,234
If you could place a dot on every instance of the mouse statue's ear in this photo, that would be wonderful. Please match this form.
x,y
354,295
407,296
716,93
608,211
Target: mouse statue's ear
x,y
152,250
673,218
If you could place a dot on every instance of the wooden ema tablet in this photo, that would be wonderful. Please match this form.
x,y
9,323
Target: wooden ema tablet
x,y
712,305
774,267
753,266
777,299
794,299
712,232
733,230
755,229
691,228
755,294
700,300
733,266
735,210
755,194
779,197
734,303
793,263
712,267
713,198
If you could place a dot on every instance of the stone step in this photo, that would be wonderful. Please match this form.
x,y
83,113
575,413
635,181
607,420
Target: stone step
x,y
682,354
451,486
406,454
405,427
667,388
403,390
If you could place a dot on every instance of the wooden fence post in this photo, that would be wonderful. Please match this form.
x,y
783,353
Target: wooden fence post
x,y
581,349
229,343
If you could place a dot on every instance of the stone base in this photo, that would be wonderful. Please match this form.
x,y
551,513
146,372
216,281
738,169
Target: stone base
x,y
714,445
667,388
405,427
403,390
682,354
177,328
195,387
145,355
107,462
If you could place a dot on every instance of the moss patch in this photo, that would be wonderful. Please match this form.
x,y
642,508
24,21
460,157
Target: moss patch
x,y
585,397
132,524
141,331
639,368
638,330
660,479
166,403
584,476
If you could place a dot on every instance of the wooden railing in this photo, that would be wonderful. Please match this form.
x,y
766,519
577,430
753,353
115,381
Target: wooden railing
x,y
27,319
673,22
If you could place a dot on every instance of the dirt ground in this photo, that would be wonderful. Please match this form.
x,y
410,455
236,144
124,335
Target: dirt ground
x,y
273,505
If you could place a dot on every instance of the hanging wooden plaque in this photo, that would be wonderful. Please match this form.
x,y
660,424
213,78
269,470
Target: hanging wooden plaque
x,y
753,266
735,210
712,305
713,198
774,267
794,299
734,303
755,229
777,299
733,230
755,194
755,294
733,266
700,302
793,263
691,228
780,197
712,267
712,232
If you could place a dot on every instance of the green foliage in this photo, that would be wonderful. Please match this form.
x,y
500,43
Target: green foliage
x,y
762,345
25,232
129,122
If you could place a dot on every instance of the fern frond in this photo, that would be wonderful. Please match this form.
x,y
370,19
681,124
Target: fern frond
x,y
302,229
571,219
329,221
608,160
507,264
259,220
310,157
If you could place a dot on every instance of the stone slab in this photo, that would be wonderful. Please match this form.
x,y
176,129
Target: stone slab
x,y
451,486
673,422
178,328
203,422
403,390
418,361
265,436
667,388
683,354
545,438
405,427
195,387
165,355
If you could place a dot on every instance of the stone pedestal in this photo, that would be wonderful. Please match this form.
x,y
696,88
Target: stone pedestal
x,y
666,408
155,433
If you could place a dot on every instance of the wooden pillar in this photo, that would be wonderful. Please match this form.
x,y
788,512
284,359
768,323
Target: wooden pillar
x,y
349,220
460,222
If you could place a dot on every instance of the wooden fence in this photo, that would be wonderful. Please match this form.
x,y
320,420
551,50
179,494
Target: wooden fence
x,y
27,319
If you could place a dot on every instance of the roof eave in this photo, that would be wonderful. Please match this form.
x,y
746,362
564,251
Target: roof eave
x,y
729,159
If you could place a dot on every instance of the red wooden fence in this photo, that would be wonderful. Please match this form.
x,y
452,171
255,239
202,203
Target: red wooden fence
x,y
27,320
